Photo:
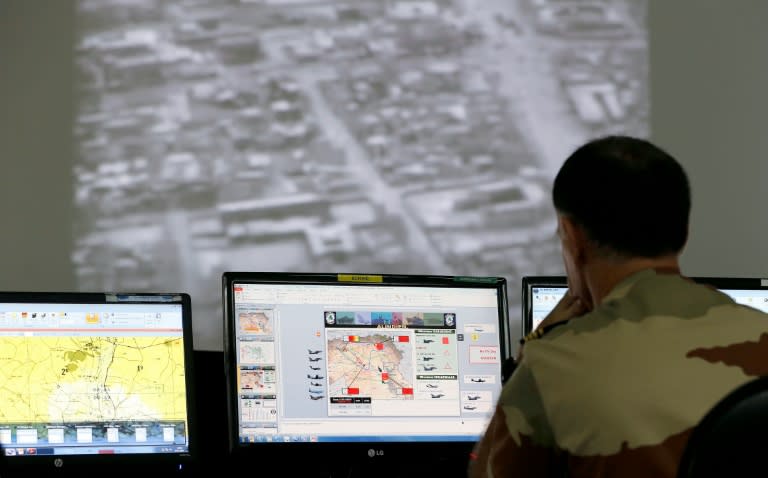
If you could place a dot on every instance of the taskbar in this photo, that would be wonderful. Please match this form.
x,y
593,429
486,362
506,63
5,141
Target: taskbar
x,y
91,450
245,439
96,435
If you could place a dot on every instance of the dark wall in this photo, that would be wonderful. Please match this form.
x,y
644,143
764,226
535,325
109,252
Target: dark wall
x,y
211,405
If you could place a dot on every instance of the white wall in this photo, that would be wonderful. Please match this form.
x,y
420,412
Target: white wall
x,y
709,69
36,145
709,108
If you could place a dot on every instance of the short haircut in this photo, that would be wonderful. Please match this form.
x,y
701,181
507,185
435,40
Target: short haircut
x,y
630,196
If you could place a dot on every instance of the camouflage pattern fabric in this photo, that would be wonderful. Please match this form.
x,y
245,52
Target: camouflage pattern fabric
x,y
617,392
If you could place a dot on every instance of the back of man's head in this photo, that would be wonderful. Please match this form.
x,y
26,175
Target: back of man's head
x,y
631,197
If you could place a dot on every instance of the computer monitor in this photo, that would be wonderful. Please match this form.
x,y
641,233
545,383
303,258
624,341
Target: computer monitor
x,y
345,370
539,296
751,291
95,383
541,293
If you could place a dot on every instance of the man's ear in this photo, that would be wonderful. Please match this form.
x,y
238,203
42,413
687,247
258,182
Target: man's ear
x,y
575,238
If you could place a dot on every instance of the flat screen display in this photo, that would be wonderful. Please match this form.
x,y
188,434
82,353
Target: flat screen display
x,y
91,380
349,361
542,293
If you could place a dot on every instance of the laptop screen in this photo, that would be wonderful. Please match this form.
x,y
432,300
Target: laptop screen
x,y
324,359
542,293
90,379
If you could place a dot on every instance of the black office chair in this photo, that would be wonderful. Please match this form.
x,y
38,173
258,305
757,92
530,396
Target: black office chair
x,y
732,438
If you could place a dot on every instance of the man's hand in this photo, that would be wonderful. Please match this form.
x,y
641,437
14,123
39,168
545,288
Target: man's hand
x,y
570,306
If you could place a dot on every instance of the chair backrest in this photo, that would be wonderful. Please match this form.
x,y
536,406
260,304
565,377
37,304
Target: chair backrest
x,y
732,438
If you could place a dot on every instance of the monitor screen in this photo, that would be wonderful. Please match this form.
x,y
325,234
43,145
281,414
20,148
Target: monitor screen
x,y
749,291
355,366
541,293
92,380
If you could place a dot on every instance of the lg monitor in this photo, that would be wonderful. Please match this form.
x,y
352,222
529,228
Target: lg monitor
x,y
95,383
333,371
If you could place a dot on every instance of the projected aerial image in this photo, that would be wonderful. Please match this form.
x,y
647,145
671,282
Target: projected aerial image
x,y
337,136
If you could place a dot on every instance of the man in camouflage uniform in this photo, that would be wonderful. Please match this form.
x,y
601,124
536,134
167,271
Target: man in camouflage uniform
x,y
635,354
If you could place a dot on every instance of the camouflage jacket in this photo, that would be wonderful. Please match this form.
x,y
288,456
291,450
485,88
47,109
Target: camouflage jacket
x,y
617,392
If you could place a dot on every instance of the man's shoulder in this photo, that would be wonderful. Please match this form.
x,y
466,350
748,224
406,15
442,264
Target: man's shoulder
x,y
669,298
591,322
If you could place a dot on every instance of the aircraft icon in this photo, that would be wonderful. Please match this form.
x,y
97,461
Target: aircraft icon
x,y
437,395
427,341
314,368
470,407
427,358
316,397
313,352
473,397
315,359
312,390
429,385
315,384
315,377
427,368
477,379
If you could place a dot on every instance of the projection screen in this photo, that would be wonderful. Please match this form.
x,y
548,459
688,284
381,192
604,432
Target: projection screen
x,y
337,136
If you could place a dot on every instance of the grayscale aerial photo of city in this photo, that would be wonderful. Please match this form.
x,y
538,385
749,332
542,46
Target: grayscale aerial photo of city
x,y
382,136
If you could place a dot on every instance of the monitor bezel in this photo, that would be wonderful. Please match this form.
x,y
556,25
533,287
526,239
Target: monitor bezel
x,y
718,282
320,455
735,283
71,465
